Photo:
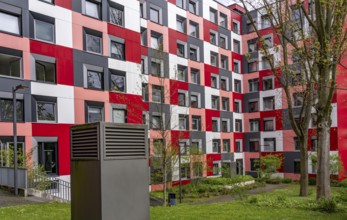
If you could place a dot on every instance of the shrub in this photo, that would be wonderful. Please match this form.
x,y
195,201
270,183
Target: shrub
x,y
327,205
281,198
253,200
227,181
287,180
334,182
274,181
312,181
343,183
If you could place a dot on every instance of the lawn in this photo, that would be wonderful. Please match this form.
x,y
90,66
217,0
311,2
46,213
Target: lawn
x,y
279,204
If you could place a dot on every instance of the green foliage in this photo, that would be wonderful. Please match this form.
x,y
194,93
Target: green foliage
x,y
343,183
7,158
227,181
269,164
327,205
287,180
38,178
312,181
276,180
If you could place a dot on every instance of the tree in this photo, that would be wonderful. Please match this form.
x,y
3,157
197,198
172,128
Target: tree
x,y
314,36
269,164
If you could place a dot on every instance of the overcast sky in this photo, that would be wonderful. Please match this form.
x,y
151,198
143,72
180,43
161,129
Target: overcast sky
x,y
226,2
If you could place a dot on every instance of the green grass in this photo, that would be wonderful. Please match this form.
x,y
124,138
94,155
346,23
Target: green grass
x,y
279,204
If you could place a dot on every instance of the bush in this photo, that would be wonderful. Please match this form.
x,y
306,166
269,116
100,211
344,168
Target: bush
x,y
287,180
312,181
274,181
253,200
334,183
227,181
343,183
327,205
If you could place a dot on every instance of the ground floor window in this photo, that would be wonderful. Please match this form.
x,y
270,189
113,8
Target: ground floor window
x,y
6,154
48,157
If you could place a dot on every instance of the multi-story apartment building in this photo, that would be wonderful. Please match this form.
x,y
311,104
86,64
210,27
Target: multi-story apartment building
x,y
115,60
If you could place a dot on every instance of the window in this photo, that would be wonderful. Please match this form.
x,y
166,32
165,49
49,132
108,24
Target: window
x,y
184,148
193,29
216,169
118,50
214,59
119,115
314,120
213,15
117,15
197,169
224,62
238,147
238,125
224,85
44,31
254,145
194,101
226,145
95,114
270,144
6,110
254,125
269,103
196,123
185,171
181,98
215,146
195,76
46,111
94,80
267,61
215,102
181,24
298,99
265,21
194,53
92,9
252,66
296,144
223,19
225,126
11,66
253,85
254,164
237,66
296,166
156,40
214,81
268,84
223,43
236,27
143,36
297,79
237,106
156,67
156,122
155,15
215,124
7,149
10,23
237,85
45,71
118,82
180,3
268,41
236,46
157,94
145,95
269,124
225,104
182,73
181,49
250,26
213,37
253,106
252,45
182,122
48,157
314,143
93,41
142,10
193,7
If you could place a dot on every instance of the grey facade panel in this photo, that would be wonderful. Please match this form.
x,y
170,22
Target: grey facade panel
x,y
198,43
156,54
247,97
248,136
161,108
226,73
285,118
163,7
199,135
227,115
198,89
288,163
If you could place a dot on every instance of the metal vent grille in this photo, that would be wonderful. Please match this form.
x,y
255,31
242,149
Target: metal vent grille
x,y
84,143
125,142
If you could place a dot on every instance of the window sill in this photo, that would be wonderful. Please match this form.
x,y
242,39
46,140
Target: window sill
x,y
99,19
13,34
43,41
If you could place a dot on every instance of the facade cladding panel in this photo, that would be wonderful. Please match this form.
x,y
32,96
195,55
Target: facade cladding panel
x,y
128,61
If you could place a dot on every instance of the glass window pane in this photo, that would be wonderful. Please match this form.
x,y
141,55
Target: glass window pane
x,y
92,9
94,80
119,116
9,23
117,50
93,43
116,16
45,111
44,31
117,83
94,114
6,110
154,15
45,72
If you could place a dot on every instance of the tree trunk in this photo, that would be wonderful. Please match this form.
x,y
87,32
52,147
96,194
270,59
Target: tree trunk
x,y
164,185
303,166
323,159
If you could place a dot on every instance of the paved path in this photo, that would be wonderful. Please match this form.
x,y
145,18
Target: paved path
x,y
9,199
228,198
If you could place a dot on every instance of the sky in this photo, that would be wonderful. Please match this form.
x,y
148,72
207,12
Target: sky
x,y
226,2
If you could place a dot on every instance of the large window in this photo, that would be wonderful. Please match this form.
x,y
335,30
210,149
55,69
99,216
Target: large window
x,y
213,15
269,124
157,122
252,45
254,146
196,123
193,29
48,157
225,125
46,111
10,66
236,46
213,37
214,59
118,50
157,94
193,6
155,14
181,24
194,53
185,171
45,71
254,125
215,102
215,124
253,85
6,110
93,41
10,23
226,145
238,125
156,40
224,62
215,145
238,147
194,76
223,20
223,42
194,101
236,27
268,84
117,15
92,9
182,122
269,103
181,49
94,80
253,106
225,104
237,106
118,82
182,98
237,85
119,115
145,92
95,114
182,73
270,144
7,149
44,31
156,67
